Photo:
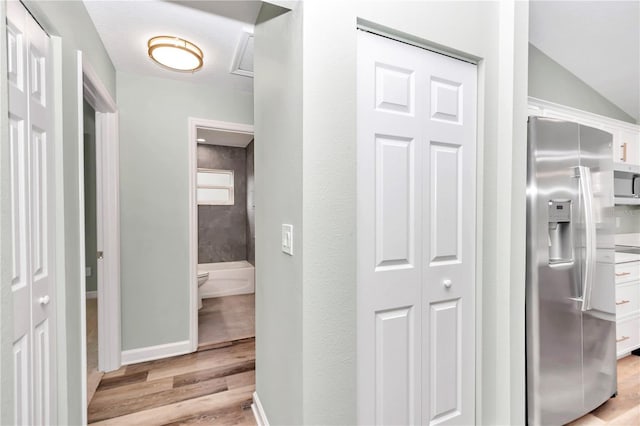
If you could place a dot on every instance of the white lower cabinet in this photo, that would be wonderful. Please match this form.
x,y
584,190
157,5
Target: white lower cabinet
x,y
627,335
627,307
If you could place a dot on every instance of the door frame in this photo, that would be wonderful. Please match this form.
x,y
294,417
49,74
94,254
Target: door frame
x,y
108,215
193,125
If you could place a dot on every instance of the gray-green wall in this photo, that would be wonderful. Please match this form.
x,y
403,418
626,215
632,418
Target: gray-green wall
x,y
90,225
154,199
278,199
552,82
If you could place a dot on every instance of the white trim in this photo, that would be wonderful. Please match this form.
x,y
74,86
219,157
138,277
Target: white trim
x,y
61,292
193,125
107,154
258,411
239,53
81,239
540,107
92,294
108,217
150,353
109,343
95,91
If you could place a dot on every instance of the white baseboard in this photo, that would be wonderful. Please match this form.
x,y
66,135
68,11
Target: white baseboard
x,y
150,353
92,294
258,411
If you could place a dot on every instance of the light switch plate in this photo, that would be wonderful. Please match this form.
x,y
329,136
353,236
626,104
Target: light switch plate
x,y
287,239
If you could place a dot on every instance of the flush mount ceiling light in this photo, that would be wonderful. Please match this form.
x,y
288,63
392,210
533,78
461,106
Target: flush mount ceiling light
x,y
175,53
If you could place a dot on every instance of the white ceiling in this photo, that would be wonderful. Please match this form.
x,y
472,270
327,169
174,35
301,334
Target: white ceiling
x,y
215,26
218,137
598,41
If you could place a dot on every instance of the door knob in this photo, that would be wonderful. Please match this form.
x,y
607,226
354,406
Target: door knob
x,y
447,283
44,300
100,255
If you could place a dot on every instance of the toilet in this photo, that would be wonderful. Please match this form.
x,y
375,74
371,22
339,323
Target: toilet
x,y
202,278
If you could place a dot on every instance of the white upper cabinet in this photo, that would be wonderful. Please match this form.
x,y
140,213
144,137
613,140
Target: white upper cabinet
x,y
626,148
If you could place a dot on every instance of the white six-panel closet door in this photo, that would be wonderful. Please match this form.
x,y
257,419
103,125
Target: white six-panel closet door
x,y
416,235
32,212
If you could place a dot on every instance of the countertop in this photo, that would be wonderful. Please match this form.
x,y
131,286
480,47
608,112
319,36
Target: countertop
x,y
629,240
627,257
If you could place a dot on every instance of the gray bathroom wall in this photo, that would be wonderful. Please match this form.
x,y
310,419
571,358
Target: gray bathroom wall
x,y
222,233
251,207
90,224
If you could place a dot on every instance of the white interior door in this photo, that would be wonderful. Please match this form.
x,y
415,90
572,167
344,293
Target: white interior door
x,y
416,235
32,213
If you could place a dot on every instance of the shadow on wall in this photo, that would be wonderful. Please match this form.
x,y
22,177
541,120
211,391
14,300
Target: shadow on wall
x,y
226,233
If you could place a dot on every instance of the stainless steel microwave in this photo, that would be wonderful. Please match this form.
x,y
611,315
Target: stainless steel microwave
x,y
626,184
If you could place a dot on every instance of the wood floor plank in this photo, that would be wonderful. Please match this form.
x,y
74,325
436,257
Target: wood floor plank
x,y
93,381
116,373
167,414
588,420
113,395
213,373
207,346
122,380
160,363
221,357
630,418
240,345
228,416
628,366
105,408
239,380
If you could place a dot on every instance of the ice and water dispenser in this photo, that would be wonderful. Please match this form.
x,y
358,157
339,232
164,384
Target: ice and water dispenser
x,y
560,239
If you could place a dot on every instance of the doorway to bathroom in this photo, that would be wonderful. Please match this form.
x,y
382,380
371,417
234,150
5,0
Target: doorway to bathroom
x,y
99,244
222,233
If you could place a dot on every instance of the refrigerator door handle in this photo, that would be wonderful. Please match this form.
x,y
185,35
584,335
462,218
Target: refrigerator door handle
x,y
590,236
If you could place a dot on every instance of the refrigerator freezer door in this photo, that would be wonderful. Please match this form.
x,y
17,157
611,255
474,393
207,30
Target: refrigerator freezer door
x,y
554,290
599,320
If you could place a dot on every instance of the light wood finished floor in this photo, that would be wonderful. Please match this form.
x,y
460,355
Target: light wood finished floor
x,y
226,319
210,387
93,375
624,409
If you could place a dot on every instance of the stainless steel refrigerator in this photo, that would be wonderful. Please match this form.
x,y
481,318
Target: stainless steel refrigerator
x,y
570,288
